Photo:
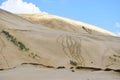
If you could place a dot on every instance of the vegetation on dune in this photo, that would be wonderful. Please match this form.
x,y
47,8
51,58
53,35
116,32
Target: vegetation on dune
x,y
116,56
33,55
74,63
15,41
19,44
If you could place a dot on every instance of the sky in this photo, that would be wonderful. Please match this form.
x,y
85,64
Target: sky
x,y
102,13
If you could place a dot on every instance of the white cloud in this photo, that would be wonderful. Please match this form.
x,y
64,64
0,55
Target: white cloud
x,y
117,24
19,6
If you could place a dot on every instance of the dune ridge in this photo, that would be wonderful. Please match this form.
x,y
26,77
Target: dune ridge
x,y
60,23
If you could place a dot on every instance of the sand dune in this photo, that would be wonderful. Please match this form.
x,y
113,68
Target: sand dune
x,y
53,47
24,42
59,23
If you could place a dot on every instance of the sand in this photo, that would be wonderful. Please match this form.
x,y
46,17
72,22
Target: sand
x,y
25,42
28,72
64,24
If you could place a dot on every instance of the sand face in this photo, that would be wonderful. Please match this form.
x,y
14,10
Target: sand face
x,y
29,43
25,42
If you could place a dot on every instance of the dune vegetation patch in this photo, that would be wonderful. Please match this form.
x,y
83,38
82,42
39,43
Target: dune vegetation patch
x,y
15,41
19,44
74,63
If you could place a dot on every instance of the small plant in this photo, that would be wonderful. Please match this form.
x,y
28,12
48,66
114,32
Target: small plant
x,y
116,56
33,55
73,63
19,44
15,41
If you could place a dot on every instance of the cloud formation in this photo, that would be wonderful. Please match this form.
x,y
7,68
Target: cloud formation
x,y
19,6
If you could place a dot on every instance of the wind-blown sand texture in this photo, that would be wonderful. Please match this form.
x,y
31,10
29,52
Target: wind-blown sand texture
x,y
25,42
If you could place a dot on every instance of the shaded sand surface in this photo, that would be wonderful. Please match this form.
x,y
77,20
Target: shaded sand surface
x,y
29,72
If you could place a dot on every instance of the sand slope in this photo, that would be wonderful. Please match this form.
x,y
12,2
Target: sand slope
x,y
60,23
31,43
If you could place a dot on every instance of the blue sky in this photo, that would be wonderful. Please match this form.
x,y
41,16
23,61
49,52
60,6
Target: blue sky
x,y
102,13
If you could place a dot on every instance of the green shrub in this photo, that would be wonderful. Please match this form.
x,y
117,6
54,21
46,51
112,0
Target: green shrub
x,y
33,55
116,56
73,63
15,41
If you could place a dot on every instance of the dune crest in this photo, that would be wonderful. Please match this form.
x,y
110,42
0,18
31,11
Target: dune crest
x,y
60,23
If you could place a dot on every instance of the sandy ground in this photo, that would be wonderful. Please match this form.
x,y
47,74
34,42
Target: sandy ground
x,y
32,73
22,42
